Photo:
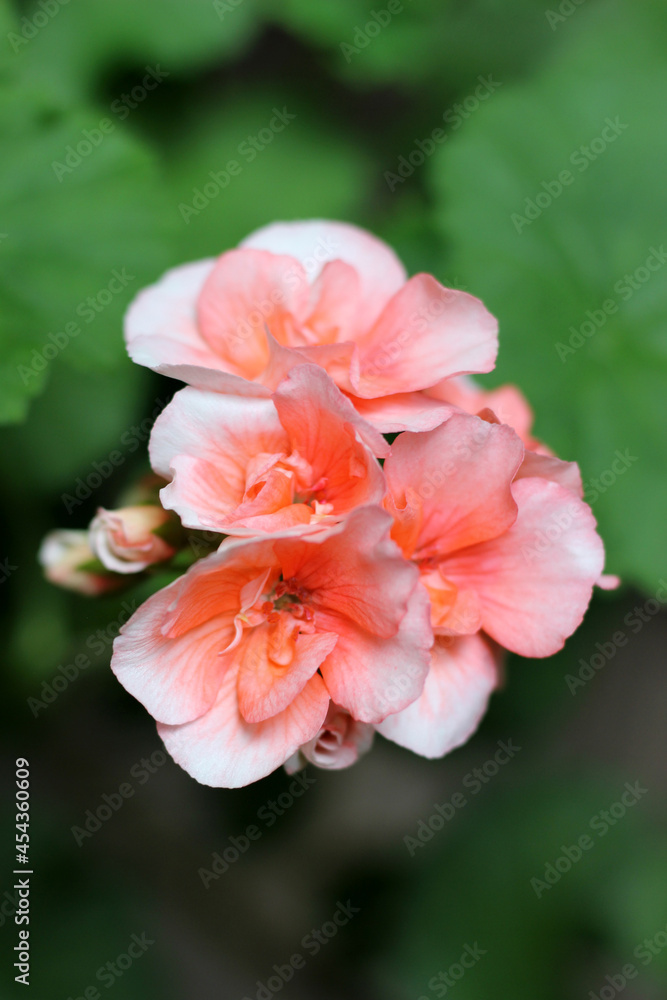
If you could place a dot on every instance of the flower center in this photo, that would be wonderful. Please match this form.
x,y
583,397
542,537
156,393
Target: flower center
x,y
287,596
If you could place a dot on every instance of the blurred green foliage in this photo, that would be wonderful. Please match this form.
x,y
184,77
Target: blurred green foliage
x,y
367,88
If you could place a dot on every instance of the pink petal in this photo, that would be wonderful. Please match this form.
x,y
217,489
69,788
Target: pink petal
x,y
454,610
202,441
507,402
535,581
267,687
407,411
567,474
217,584
426,333
247,292
372,676
608,581
339,743
161,322
221,749
340,361
309,381
455,696
162,333
313,413
459,475
355,571
177,679
315,242
334,300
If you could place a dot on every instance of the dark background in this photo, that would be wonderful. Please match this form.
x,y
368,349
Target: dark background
x,y
554,76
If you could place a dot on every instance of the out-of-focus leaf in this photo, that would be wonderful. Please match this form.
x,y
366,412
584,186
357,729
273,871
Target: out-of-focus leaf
x,y
299,169
455,40
82,230
78,421
548,276
84,41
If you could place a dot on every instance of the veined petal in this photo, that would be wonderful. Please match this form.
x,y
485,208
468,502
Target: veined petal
x,y
462,676
355,571
315,242
459,475
372,676
246,292
534,581
221,749
426,333
270,678
175,679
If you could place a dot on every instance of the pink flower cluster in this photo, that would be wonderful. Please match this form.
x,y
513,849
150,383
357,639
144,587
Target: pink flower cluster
x,y
360,585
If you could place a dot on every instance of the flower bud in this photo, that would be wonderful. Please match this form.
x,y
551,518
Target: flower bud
x,y
125,540
66,557
339,743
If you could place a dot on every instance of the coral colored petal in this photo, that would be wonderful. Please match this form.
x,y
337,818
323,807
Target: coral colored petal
x,y
162,333
315,242
339,743
215,584
215,427
534,582
407,411
310,384
454,610
223,750
177,680
355,571
507,402
319,433
372,677
202,442
456,692
407,524
567,474
340,361
265,686
426,333
334,297
460,475
247,292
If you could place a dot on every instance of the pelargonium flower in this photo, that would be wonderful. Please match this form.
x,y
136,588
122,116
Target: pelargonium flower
x,y
240,658
243,465
324,292
464,516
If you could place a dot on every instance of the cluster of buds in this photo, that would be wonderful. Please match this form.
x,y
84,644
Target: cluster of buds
x,y
117,545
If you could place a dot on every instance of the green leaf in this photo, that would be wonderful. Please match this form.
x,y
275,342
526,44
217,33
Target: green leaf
x,y
83,229
297,169
590,228
416,41
76,425
83,42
